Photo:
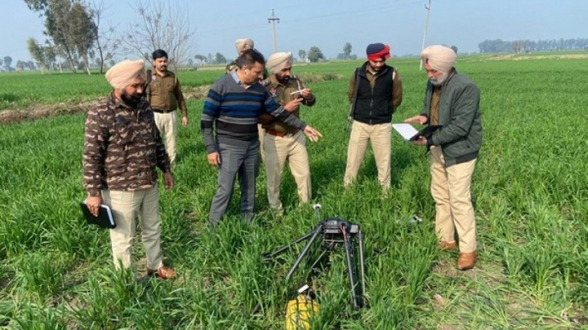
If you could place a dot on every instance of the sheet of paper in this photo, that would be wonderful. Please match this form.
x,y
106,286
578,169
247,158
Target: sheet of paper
x,y
405,130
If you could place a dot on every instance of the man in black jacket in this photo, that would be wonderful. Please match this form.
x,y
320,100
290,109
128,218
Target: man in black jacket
x,y
375,91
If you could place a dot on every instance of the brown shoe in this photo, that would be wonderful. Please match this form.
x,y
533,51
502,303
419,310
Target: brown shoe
x,y
447,246
164,272
466,261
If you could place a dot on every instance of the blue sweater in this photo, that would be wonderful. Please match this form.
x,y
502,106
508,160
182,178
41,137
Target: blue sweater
x,y
235,111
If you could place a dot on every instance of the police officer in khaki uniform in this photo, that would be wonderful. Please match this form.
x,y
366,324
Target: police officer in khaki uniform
x,y
165,95
283,142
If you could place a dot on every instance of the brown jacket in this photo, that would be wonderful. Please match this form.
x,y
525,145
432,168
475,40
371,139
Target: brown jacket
x,y
282,94
122,148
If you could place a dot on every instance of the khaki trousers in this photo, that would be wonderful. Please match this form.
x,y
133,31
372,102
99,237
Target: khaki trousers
x,y
450,188
126,205
380,137
278,150
261,132
167,123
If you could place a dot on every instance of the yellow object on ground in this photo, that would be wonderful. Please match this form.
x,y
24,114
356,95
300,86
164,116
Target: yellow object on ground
x,y
300,311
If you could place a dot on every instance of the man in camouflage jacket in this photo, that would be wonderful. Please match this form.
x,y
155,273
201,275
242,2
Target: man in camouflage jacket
x,y
122,149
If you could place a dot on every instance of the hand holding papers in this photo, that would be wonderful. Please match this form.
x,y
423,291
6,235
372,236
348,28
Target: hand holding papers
x,y
409,133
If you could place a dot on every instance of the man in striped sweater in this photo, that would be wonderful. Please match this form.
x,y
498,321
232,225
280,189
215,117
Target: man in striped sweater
x,y
232,108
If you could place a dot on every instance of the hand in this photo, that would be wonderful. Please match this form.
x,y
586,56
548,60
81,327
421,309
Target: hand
x,y
421,141
312,133
306,93
421,120
168,180
214,159
184,121
93,203
293,105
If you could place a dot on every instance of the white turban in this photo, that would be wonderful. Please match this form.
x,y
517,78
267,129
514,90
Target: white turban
x,y
278,61
441,58
243,44
123,73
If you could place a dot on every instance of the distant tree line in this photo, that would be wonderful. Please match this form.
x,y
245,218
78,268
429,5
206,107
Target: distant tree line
x,y
77,38
529,46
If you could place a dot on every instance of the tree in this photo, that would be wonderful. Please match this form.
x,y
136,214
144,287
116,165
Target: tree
x,y
315,54
7,63
347,49
346,55
105,40
20,65
39,53
84,33
200,58
69,25
219,58
161,25
302,54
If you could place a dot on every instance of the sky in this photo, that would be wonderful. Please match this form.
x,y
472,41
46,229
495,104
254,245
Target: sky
x,y
329,24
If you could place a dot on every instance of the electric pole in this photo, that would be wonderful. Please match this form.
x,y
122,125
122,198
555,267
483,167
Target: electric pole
x,y
428,8
273,19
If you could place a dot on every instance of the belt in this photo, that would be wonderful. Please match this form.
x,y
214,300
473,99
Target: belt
x,y
280,134
163,111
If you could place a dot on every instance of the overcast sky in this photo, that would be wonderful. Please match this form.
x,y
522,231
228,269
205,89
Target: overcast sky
x,y
329,24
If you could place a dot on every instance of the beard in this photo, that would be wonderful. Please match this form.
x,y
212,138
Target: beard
x,y
440,80
131,100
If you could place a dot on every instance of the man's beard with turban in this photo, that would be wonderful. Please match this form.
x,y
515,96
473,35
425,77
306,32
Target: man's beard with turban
x,y
440,80
131,100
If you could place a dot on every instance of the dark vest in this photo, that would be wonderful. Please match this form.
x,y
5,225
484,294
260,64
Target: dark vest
x,y
374,106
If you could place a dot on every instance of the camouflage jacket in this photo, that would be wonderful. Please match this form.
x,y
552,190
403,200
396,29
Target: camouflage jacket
x,y
122,147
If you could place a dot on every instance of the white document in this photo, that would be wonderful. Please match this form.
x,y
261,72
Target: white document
x,y
405,130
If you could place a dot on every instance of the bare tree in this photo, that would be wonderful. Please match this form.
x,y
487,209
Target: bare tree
x,y
160,26
106,43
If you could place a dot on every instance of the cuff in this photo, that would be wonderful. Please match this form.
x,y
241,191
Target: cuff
x,y
429,141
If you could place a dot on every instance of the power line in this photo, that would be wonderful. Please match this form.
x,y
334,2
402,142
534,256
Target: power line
x,y
428,8
273,19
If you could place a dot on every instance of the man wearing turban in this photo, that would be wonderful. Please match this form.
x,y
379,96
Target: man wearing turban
x,y
241,45
122,149
453,150
283,142
375,92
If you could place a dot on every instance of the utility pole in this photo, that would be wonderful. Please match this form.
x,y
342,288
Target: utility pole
x,y
273,19
428,8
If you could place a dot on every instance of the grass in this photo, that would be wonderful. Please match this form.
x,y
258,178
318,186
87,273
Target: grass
x,y
529,188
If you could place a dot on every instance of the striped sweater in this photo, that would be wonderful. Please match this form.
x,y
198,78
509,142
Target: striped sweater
x,y
233,111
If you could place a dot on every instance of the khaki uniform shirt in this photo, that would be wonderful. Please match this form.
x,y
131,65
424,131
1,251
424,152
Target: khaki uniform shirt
x,y
165,93
122,147
282,93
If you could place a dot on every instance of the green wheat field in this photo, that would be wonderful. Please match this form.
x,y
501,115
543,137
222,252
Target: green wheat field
x,y
530,192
